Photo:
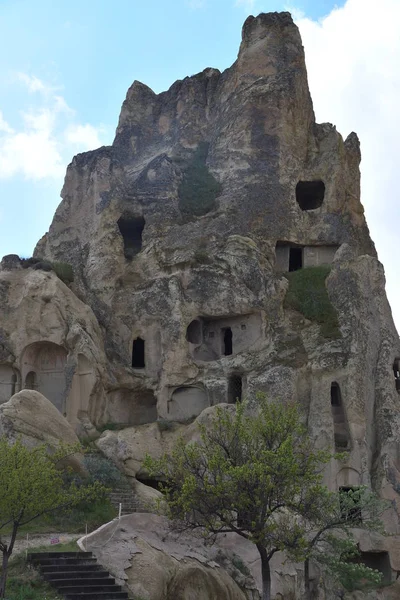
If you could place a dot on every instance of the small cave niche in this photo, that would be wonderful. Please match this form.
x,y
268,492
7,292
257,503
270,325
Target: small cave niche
x,y
194,332
295,258
131,229
227,341
235,388
350,514
340,429
138,356
153,483
379,561
396,373
310,194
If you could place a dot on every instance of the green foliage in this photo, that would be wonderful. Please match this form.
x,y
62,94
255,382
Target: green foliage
x,y
102,470
249,474
166,425
32,484
199,189
307,294
241,566
64,271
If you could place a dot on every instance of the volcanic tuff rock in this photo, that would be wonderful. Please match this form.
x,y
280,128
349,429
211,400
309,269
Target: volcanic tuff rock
x,y
189,238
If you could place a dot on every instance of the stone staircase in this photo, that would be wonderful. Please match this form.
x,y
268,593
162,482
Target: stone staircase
x,y
76,575
126,498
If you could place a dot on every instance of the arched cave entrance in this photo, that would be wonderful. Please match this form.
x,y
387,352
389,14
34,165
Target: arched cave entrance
x,y
310,194
9,382
43,369
340,428
138,356
131,229
194,332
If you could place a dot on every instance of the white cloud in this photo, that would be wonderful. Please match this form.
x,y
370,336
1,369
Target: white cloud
x,y
85,136
353,58
46,137
33,83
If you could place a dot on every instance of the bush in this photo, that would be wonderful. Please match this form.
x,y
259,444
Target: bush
x,y
199,188
308,295
101,469
64,271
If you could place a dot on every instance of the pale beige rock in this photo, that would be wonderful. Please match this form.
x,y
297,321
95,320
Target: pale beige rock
x,y
35,420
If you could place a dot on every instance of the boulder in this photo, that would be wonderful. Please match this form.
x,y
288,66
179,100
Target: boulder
x,y
33,418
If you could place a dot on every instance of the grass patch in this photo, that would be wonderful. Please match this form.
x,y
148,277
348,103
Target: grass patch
x,y
199,189
308,295
64,271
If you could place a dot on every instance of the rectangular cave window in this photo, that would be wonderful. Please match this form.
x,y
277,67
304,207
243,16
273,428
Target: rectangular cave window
x,y
348,504
138,354
379,561
235,389
310,194
131,229
227,346
340,429
295,259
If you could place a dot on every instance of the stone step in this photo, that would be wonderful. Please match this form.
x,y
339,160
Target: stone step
x,y
71,568
81,581
65,575
77,575
89,588
97,596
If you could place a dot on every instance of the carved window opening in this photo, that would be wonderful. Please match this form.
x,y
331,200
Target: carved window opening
x,y
235,389
13,384
341,432
396,372
227,344
194,333
310,194
131,229
349,497
138,359
295,259
31,381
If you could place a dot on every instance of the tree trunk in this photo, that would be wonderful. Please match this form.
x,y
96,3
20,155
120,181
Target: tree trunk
x,y
266,573
307,591
3,578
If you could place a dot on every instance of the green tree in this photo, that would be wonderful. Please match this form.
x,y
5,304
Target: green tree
x,y
331,517
251,474
33,483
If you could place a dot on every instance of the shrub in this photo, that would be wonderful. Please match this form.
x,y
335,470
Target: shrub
x,y
101,469
307,294
199,188
241,566
64,271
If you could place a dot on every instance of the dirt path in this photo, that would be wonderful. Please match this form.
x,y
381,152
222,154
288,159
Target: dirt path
x,y
43,539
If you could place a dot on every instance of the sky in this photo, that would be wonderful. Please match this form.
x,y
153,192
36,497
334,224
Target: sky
x,y
66,67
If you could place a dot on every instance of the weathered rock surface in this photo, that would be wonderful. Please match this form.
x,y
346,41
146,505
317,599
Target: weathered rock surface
x,y
35,420
181,235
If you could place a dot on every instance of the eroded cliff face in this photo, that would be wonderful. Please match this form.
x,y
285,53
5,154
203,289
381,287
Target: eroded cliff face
x,y
188,237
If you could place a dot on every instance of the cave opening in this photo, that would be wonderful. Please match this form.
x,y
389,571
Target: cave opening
x,y
227,341
340,429
235,389
138,358
131,229
310,194
295,258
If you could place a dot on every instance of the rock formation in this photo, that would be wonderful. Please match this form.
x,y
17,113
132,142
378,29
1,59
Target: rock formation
x,y
188,239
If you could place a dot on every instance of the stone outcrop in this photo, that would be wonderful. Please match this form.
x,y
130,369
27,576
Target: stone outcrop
x,y
35,420
189,237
